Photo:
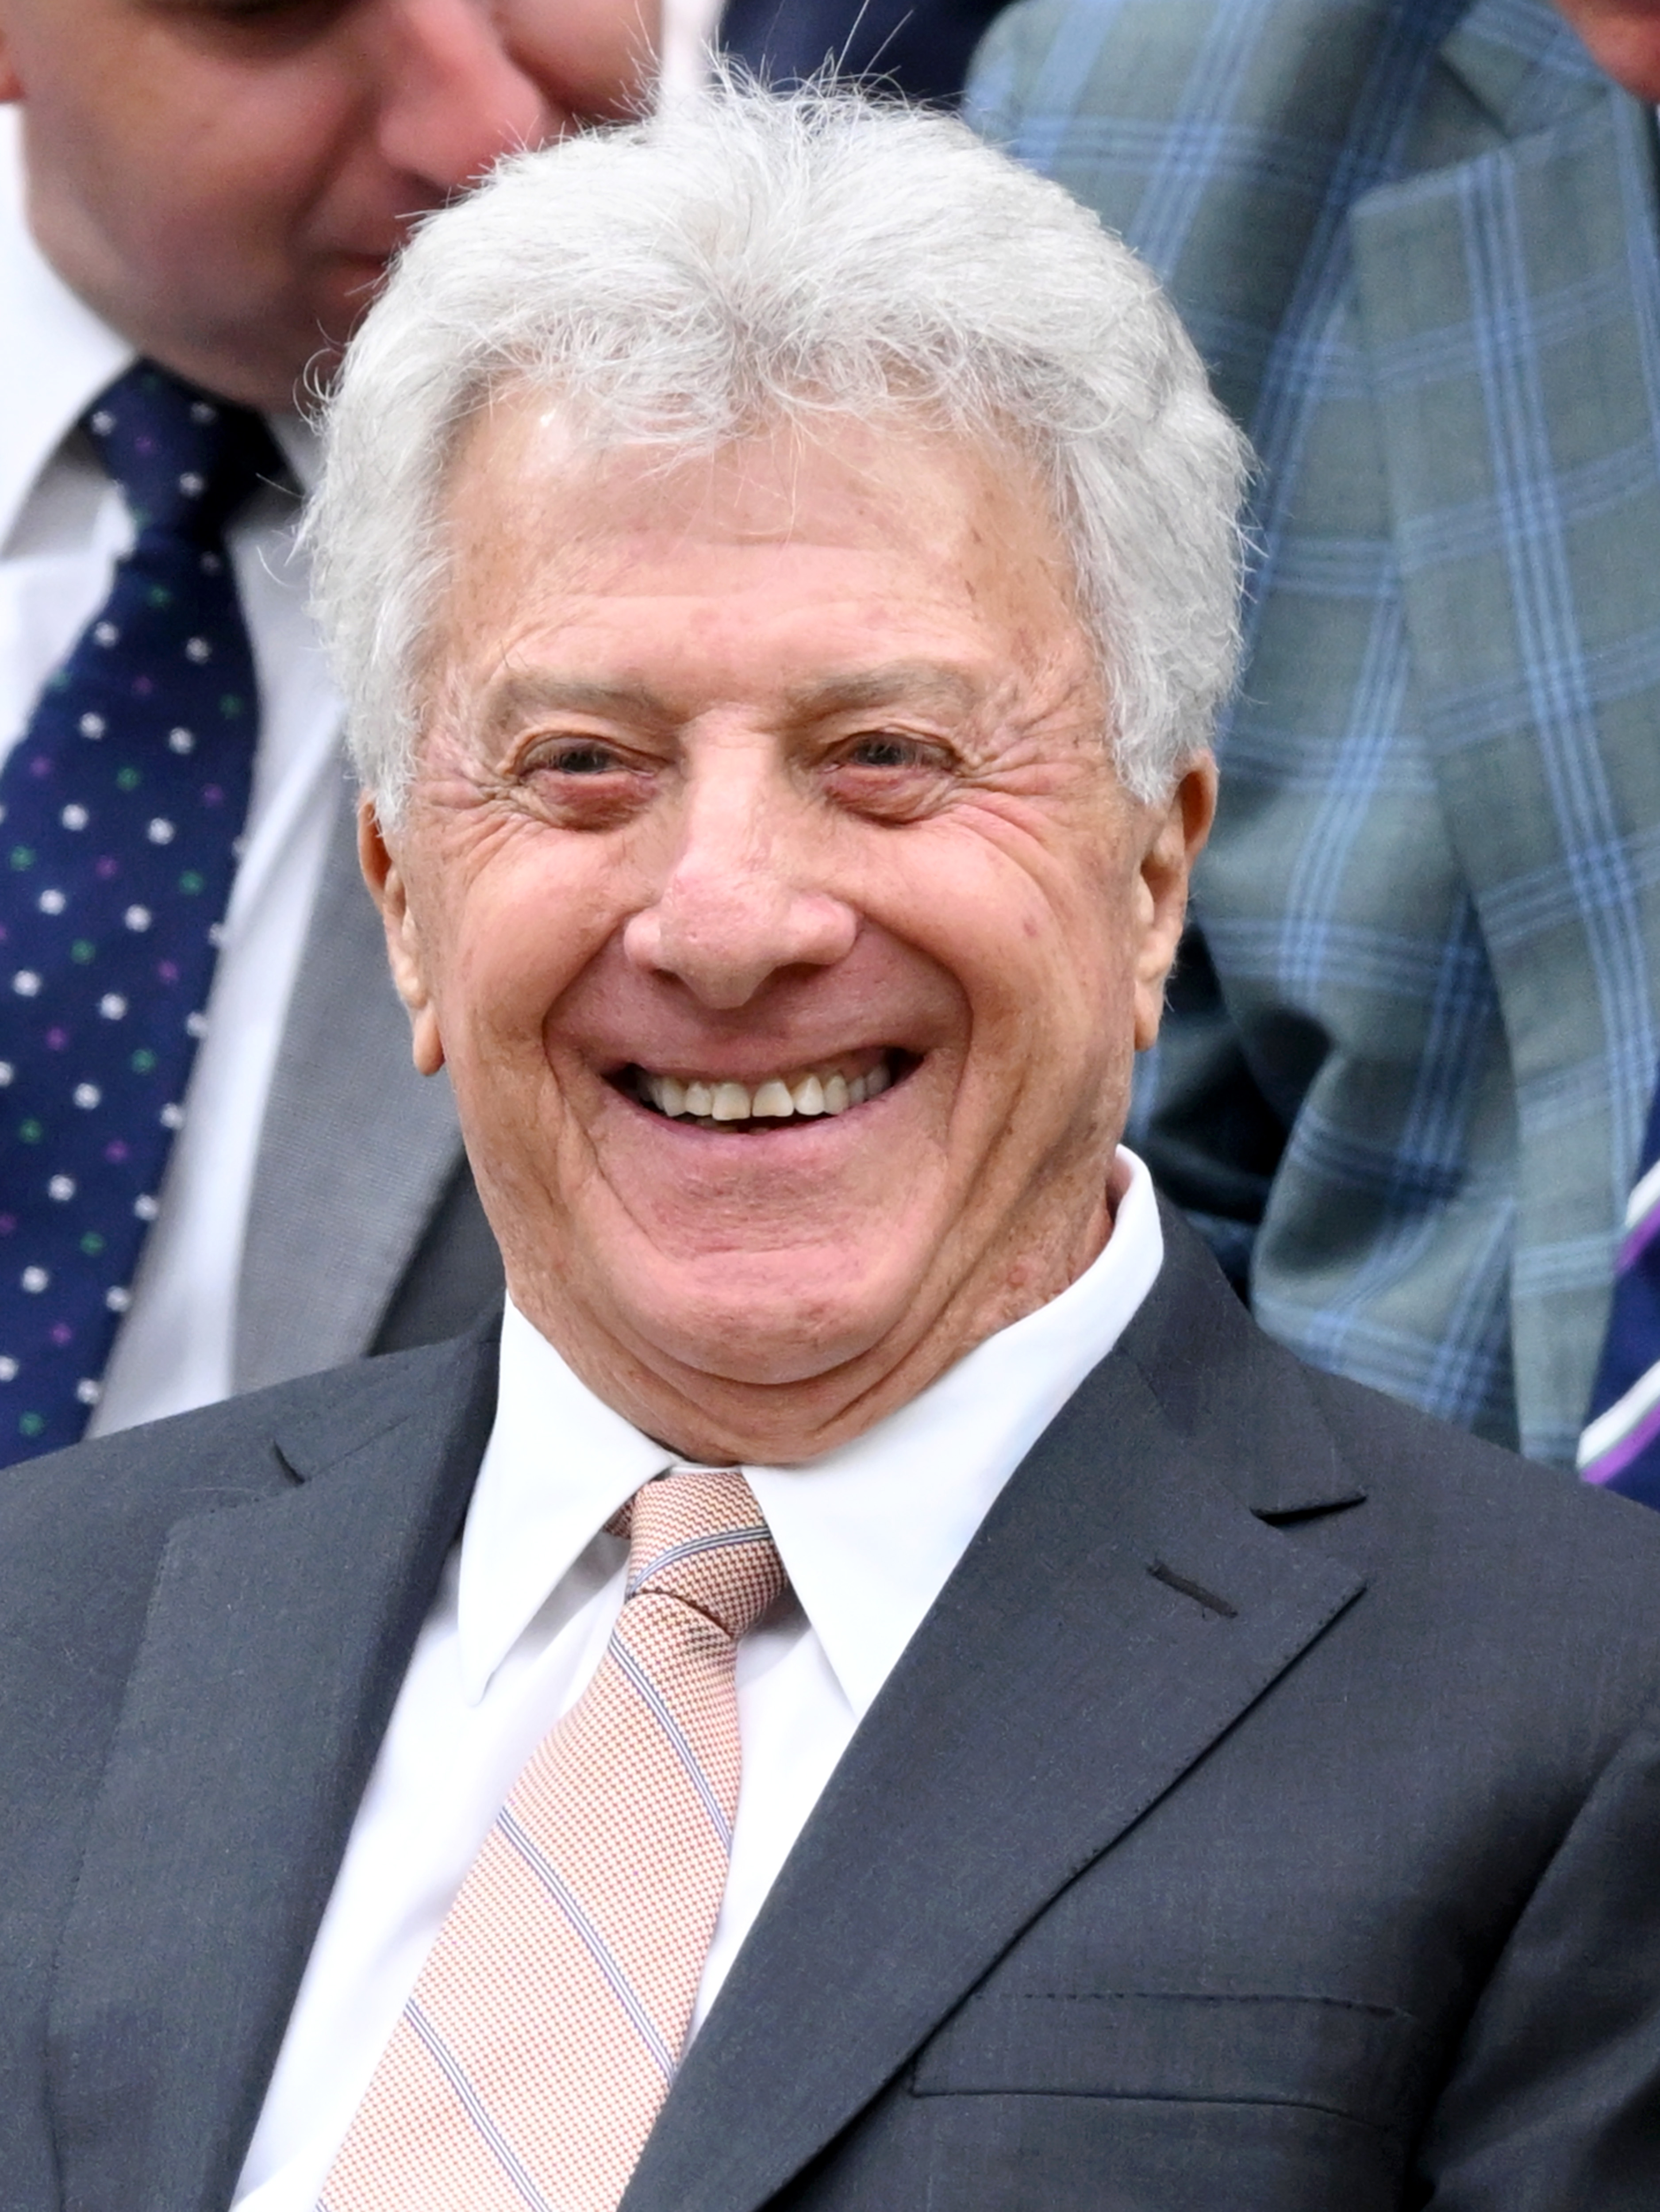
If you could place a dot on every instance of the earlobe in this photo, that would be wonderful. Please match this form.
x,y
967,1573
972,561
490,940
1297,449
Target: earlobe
x,y
386,886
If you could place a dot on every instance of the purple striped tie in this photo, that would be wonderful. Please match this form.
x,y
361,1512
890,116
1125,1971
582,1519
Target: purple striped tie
x,y
1620,1446
545,2028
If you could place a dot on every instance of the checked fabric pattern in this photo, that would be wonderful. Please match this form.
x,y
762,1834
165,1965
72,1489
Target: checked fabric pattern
x,y
1621,1447
545,2028
1418,242
120,809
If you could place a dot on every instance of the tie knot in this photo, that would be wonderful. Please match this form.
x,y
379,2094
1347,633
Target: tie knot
x,y
697,1535
185,461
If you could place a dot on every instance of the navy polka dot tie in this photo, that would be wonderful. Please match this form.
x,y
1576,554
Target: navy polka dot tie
x,y
121,807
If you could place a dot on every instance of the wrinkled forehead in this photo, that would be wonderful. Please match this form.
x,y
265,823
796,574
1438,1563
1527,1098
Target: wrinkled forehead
x,y
516,422
537,496
818,553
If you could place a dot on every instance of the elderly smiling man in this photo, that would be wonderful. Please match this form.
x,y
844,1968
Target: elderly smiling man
x,y
875,1686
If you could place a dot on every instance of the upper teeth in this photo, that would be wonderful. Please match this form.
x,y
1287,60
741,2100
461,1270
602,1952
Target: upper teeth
x,y
824,1090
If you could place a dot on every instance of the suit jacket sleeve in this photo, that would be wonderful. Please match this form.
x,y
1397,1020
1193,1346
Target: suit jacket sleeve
x,y
1554,2098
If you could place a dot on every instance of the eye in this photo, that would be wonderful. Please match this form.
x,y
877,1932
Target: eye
x,y
581,756
262,11
584,781
891,775
887,748
277,20
894,753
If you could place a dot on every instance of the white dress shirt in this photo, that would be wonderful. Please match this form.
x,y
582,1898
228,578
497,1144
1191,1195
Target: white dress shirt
x,y
683,49
63,523
868,1535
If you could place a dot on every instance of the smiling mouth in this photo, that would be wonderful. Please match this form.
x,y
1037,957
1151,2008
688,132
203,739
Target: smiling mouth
x,y
805,1095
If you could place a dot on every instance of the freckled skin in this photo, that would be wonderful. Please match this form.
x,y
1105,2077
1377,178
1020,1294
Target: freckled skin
x,y
223,181
771,757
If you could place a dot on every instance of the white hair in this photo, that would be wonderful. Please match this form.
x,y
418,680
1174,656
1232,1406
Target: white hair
x,y
745,259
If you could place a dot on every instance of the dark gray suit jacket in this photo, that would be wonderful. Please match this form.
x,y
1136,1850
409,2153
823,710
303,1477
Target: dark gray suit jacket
x,y
1266,1816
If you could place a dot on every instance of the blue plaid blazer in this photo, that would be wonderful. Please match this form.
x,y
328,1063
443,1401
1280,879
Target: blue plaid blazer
x,y
1407,1062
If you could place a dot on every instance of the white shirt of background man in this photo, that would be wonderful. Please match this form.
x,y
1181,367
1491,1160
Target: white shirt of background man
x,y
63,524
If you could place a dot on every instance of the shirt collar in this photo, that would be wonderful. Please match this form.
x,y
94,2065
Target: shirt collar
x,y
868,1533
63,354
558,1464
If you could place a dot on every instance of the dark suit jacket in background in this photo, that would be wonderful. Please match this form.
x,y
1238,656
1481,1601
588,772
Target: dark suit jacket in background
x,y
1266,1817
922,47
1418,243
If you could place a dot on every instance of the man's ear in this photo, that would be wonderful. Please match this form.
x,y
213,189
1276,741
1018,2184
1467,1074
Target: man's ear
x,y
1178,835
386,881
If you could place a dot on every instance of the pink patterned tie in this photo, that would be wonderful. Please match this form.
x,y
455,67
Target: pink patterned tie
x,y
531,2060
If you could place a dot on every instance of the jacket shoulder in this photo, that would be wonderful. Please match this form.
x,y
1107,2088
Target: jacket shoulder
x,y
82,1531
83,1534
1467,1545
1468,1493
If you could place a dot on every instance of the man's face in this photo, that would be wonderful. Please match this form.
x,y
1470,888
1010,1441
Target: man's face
x,y
224,180
1624,36
757,782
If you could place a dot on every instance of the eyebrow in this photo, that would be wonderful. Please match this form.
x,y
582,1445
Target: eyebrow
x,y
525,695
896,683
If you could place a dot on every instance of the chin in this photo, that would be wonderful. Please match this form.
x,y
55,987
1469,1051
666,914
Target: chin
x,y
758,1334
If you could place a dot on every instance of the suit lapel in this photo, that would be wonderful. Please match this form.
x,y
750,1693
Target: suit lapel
x,y
236,1774
355,1150
1511,306
1122,1608
1119,1610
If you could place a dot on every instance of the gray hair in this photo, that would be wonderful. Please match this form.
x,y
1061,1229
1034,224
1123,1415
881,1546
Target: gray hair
x,y
744,258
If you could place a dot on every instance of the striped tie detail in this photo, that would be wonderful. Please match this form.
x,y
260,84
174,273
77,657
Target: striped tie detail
x,y
531,2060
1620,1447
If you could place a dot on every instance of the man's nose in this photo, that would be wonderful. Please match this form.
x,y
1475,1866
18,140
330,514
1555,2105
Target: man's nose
x,y
454,96
734,908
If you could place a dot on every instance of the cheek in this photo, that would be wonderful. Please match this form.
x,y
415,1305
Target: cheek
x,y
1035,941
512,928
589,58
263,152
246,195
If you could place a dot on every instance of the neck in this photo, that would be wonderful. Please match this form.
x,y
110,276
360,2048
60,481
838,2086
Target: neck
x,y
716,1420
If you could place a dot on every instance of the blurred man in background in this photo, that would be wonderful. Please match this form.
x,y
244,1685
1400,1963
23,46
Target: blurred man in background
x,y
1415,1044
205,1095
